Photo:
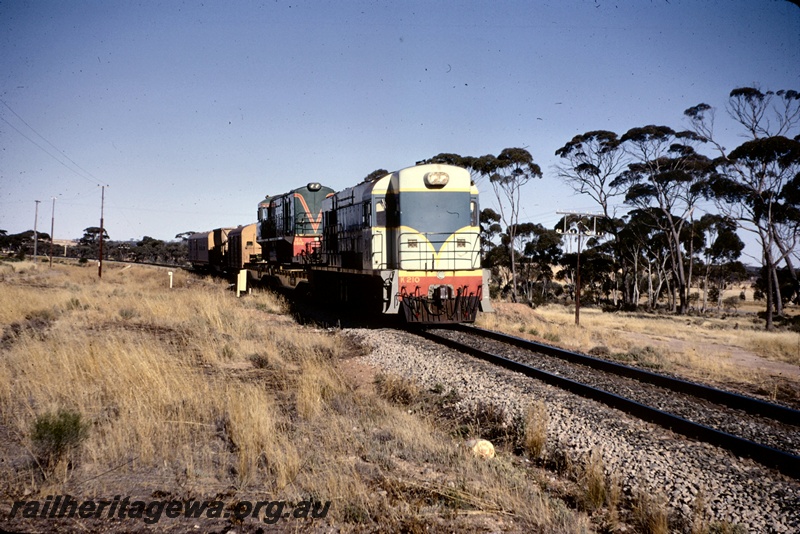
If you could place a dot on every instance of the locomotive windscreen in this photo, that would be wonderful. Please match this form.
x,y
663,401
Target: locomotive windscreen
x,y
438,213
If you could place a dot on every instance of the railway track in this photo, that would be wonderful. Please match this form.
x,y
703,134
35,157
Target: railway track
x,y
765,432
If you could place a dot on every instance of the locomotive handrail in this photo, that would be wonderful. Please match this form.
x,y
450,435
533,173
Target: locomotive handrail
x,y
449,259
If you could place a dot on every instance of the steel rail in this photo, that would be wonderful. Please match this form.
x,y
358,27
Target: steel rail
x,y
784,462
717,396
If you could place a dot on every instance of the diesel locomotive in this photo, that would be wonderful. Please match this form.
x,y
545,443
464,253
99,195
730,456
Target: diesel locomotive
x,y
406,243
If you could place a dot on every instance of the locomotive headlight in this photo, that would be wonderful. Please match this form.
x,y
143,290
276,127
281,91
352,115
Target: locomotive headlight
x,y
436,179
314,186
440,275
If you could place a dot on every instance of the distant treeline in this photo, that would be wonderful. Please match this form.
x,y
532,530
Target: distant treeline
x,y
146,250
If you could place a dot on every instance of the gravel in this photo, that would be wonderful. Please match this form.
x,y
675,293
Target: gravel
x,y
644,457
739,423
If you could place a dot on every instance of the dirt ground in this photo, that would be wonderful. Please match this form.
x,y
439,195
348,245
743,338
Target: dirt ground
x,y
742,358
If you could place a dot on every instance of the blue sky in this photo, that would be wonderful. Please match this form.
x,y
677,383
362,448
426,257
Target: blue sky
x,y
192,112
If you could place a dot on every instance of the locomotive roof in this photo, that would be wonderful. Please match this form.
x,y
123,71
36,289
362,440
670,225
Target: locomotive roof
x,y
310,188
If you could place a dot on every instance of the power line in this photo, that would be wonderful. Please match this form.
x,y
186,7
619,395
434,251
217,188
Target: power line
x,y
93,179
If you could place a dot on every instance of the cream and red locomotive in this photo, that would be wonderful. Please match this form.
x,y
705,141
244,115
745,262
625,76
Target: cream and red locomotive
x,y
405,243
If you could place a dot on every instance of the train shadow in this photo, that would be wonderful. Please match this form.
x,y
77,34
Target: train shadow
x,y
309,311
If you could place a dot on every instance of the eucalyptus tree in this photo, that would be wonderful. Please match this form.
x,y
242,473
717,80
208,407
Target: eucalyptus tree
x,y
591,162
667,174
490,229
89,242
493,255
541,248
757,181
753,189
184,236
508,173
647,246
720,246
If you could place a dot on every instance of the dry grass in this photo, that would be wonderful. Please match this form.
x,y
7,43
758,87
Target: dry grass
x,y
650,513
779,346
536,421
592,480
396,389
193,393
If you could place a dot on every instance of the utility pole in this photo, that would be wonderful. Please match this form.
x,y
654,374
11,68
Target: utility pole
x,y
102,204
35,232
52,226
579,230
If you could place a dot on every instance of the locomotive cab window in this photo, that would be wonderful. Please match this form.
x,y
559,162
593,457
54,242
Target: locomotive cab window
x,y
380,212
366,214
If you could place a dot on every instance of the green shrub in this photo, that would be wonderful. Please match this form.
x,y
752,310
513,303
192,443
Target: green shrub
x,y
730,303
713,294
55,435
128,313
552,337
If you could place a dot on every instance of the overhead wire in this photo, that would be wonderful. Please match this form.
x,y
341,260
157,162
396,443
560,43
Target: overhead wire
x,y
84,174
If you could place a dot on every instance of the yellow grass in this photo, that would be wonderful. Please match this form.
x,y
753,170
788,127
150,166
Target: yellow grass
x,y
194,393
536,421
699,347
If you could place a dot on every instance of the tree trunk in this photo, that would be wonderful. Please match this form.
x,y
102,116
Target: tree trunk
x,y
635,300
787,258
691,268
670,294
777,283
513,274
769,299
680,283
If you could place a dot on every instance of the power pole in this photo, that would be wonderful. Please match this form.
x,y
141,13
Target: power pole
x,y
35,232
52,225
579,230
102,204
